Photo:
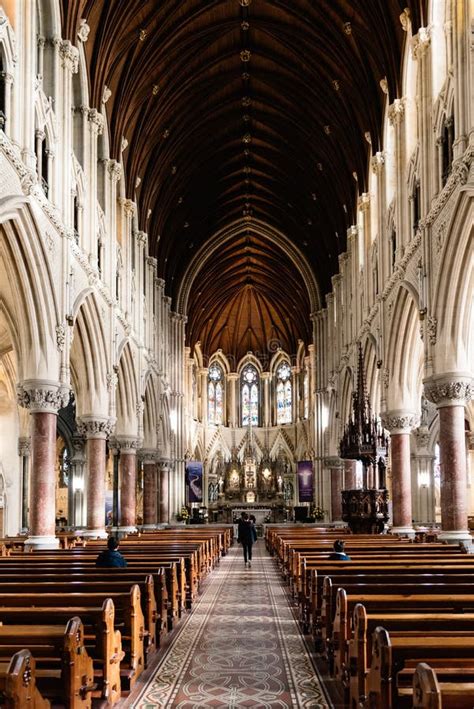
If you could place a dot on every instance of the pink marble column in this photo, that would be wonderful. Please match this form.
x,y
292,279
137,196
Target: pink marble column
x,y
451,392
400,422
335,470
44,399
350,474
96,430
401,481
164,492
452,448
150,492
128,483
43,477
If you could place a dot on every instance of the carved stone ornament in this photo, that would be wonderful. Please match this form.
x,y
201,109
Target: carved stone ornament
x,y
69,55
96,427
43,396
24,446
333,462
128,444
106,94
451,389
431,328
400,421
422,436
83,31
396,111
377,162
60,337
383,83
148,455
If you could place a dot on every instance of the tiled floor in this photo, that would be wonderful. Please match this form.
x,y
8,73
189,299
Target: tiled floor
x,y
239,647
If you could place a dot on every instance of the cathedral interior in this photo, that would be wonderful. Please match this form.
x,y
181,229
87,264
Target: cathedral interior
x,y
236,267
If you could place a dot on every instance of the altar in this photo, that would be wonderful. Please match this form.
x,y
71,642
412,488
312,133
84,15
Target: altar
x,y
261,515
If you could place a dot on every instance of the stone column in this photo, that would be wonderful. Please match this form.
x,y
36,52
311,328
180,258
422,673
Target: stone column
x,y
96,430
451,392
78,463
164,512
423,478
400,424
267,409
336,471
232,378
24,450
350,475
43,399
128,482
150,491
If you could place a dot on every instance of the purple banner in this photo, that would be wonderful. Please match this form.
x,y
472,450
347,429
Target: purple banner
x,y
305,481
194,480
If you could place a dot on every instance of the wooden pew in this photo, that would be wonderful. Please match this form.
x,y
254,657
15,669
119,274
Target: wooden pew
x,y
129,616
102,641
390,654
64,670
419,624
18,683
431,693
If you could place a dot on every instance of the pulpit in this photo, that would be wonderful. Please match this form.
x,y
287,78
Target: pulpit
x,y
365,511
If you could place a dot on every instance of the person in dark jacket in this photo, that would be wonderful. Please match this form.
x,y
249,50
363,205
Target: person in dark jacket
x,y
110,557
339,554
245,537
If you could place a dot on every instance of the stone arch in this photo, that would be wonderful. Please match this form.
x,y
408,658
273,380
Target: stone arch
x,y
229,233
345,402
127,394
89,357
452,324
371,373
151,411
404,353
28,296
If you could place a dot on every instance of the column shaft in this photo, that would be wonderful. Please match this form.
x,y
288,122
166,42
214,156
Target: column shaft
x,y
149,494
96,452
401,480
336,494
43,480
350,474
453,468
128,480
164,492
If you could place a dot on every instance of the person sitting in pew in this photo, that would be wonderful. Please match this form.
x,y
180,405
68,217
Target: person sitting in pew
x,y
111,557
339,554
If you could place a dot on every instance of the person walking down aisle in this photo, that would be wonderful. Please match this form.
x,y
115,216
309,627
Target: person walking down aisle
x,y
245,536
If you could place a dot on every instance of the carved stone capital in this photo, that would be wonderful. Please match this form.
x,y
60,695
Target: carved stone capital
x,y
115,170
148,455
42,396
396,111
129,444
420,42
96,426
333,462
96,121
69,55
450,389
129,207
422,435
378,162
24,446
399,421
142,238
163,465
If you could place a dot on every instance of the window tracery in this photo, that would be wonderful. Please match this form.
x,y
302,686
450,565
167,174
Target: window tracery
x,y
283,393
249,395
215,395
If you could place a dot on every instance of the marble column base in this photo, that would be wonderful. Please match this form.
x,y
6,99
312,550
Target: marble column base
x,y
455,536
94,534
404,531
338,523
149,526
42,542
124,530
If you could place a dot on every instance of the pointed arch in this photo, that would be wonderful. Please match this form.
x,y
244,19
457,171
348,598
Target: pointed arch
x,y
405,353
89,357
127,394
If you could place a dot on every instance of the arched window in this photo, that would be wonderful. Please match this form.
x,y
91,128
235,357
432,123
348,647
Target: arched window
x,y
249,395
306,394
283,393
215,395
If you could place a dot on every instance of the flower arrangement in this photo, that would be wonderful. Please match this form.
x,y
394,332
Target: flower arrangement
x,y
317,513
184,515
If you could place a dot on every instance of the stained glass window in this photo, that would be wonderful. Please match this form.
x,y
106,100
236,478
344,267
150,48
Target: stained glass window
x,y
215,395
283,393
249,396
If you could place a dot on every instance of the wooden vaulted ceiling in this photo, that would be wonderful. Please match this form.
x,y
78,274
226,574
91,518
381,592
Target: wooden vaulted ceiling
x,y
235,110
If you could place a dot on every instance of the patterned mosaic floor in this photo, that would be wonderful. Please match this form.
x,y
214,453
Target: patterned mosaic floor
x,y
240,647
